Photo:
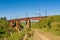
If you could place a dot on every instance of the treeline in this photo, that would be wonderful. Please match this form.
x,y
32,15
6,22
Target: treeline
x,y
5,29
51,24
3,18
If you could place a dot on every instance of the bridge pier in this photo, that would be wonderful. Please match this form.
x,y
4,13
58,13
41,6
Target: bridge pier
x,y
11,23
28,24
17,24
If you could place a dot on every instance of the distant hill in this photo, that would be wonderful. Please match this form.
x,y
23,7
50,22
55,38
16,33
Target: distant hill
x,y
50,24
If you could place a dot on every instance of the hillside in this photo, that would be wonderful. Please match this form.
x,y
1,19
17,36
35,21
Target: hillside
x,y
49,24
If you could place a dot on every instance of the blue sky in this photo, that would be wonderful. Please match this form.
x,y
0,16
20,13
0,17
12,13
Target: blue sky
x,y
28,8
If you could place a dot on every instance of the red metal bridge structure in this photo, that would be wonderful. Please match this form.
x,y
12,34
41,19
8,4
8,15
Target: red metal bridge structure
x,y
28,21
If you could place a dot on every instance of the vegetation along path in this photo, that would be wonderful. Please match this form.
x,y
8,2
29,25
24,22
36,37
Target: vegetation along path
x,y
39,35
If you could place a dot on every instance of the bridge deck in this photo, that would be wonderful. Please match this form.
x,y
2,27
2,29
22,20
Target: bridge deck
x,y
29,18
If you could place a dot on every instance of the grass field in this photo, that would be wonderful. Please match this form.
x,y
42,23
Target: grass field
x,y
49,24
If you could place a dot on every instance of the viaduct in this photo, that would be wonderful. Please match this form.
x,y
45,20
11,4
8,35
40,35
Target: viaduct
x,y
27,20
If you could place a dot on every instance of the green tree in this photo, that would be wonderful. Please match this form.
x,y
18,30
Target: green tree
x,y
5,29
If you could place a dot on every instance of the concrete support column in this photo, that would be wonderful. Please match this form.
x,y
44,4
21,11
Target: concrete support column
x,y
11,23
28,25
17,24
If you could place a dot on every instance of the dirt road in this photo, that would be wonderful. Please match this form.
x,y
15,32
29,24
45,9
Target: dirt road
x,y
42,36
38,36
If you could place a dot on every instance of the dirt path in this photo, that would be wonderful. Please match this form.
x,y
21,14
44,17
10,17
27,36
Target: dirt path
x,y
41,35
25,37
38,35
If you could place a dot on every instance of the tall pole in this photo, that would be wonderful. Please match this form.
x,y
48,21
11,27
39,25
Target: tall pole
x,y
16,16
46,12
39,14
10,17
26,15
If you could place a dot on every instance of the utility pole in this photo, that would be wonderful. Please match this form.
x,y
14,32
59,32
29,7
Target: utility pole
x,y
39,14
10,17
26,15
46,12
35,14
16,16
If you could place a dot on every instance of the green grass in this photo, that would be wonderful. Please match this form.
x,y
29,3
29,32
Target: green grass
x,y
49,24
15,36
29,33
23,23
